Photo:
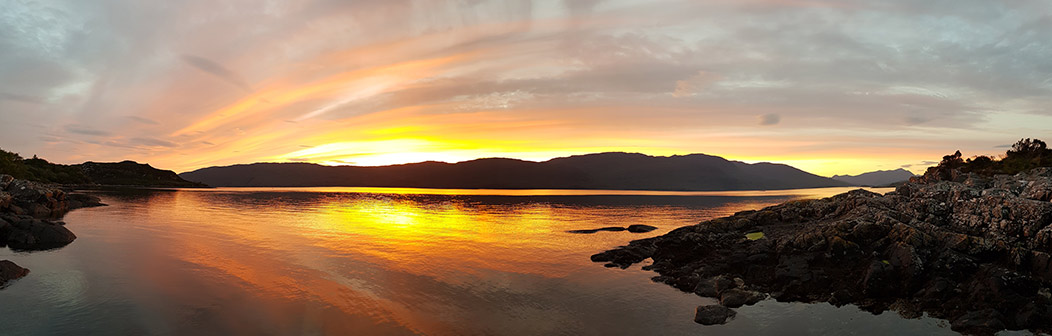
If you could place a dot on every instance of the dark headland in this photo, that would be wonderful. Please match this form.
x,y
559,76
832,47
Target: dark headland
x,y
625,171
35,194
970,241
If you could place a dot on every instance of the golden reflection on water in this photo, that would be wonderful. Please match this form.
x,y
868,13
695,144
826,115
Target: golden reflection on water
x,y
408,246
437,262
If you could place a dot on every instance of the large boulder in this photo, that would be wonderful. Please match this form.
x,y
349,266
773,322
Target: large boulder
x,y
10,271
36,234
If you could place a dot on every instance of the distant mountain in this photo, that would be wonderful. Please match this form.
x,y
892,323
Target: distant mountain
x,y
126,173
876,178
131,173
628,171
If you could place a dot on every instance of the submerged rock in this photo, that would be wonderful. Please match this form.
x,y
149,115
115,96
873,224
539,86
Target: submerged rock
x,y
640,228
713,314
636,228
960,250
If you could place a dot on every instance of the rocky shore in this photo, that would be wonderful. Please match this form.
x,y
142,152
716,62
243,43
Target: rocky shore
x,y
28,219
975,250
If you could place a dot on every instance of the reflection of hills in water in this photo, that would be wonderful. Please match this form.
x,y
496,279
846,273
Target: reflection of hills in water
x,y
312,196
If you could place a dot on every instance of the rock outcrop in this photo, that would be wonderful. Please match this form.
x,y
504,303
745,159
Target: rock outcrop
x,y
27,219
975,250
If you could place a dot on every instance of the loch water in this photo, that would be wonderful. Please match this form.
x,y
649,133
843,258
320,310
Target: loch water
x,y
387,261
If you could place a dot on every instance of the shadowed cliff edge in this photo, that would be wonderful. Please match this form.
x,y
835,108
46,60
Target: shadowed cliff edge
x,y
966,242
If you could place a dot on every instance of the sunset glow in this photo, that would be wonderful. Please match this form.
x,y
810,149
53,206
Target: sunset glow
x,y
388,82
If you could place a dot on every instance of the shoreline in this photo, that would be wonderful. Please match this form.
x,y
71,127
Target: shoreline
x,y
974,251
31,219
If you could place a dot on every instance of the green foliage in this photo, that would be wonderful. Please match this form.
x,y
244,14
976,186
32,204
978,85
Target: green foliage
x,y
1024,155
36,169
754,236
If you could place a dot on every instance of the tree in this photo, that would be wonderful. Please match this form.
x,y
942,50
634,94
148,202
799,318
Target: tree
x,y
1028,147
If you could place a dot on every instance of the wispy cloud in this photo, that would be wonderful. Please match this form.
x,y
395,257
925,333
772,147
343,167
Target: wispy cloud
x,y
217,70
153,142
142,120
86,130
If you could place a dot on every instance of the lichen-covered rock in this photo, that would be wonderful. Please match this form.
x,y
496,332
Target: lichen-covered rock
x,y
956,246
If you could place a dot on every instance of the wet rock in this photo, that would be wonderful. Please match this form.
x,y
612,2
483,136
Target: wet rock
x,y
713,314
712,287
10,271
981,321
640,228
76,201
735,298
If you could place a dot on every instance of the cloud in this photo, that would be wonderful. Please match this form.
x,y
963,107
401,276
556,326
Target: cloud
x,y
86,130
21,98
472,74
690,86
153,142
216,70
770,119
142,120
920,164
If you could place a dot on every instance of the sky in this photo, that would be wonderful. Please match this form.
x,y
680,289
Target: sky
x,y
831,87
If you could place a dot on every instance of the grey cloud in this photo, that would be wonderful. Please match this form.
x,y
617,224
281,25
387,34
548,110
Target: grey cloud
x,y
142,120
21,98
86,130
770,119
216,70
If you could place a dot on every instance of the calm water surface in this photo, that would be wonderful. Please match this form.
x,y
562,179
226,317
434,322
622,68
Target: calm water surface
x,y
382,261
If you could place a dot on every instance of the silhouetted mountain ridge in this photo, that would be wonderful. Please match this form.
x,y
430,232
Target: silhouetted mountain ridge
x,y
876,178
613,170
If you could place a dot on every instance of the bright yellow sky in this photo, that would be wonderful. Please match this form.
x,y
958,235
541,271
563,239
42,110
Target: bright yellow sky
x,y
828,87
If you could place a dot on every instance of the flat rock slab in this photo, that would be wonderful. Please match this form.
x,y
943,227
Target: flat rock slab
x,y
713,314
